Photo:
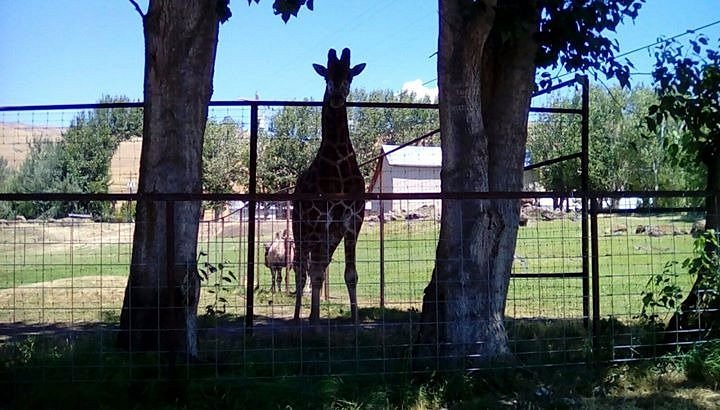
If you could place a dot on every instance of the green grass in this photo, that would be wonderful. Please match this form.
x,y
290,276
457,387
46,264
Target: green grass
x,y
341,366
41,253
338,368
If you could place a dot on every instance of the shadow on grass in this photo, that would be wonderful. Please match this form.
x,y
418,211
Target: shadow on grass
x,y
280,363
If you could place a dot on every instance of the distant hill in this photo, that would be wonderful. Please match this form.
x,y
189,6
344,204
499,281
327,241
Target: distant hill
x,y
15,140
125,166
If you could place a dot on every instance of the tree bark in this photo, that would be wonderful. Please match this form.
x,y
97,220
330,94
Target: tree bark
x,y
160,305
485,80
693,317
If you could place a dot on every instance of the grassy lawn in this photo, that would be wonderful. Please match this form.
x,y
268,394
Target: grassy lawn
x,y
338,369
81,268
76,274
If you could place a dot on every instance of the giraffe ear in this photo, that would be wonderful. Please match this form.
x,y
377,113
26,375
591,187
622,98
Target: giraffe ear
x,y
320,70
357,69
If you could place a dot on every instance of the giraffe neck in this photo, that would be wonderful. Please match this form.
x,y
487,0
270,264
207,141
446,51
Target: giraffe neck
x,y
336,142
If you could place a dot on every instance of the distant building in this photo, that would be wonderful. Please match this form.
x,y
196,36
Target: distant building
x,y
414,170
406,170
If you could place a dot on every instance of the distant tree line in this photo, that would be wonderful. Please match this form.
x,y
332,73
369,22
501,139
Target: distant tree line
x,y
80,161
293,135
624,154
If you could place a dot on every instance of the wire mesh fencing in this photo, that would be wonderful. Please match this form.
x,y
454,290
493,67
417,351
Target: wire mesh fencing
x,y
64,261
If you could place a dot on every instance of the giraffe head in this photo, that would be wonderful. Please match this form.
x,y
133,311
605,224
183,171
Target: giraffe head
x,y
338,75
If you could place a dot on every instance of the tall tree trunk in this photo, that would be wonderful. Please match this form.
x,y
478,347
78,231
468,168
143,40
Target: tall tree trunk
x,y
692,316
161,297
485,82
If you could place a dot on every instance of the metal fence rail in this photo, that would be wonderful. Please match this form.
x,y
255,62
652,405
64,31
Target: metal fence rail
x,y
576,286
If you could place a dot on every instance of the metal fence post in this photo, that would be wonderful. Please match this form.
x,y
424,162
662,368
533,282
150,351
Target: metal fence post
x,y
595,271
381,218
252,190
585,188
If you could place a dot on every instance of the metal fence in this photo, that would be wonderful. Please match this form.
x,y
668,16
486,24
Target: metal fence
x,y
577,282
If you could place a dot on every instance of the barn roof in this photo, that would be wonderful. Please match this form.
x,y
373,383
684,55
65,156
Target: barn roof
x,y
413,156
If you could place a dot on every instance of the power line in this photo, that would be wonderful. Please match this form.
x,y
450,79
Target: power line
x,y
686,32
662,41
627,53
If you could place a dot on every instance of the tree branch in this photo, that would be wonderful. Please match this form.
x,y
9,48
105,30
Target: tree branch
x,y
137,7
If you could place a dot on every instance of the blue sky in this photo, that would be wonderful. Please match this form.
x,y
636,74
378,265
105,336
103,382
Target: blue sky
x,y
74,51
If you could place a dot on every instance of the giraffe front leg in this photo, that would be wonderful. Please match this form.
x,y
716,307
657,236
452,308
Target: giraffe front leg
x,y
351,278
351,275
317,277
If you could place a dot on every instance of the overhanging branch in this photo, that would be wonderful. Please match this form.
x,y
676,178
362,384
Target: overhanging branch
x,y
137,8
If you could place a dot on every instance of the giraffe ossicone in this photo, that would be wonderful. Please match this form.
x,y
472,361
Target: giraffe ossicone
x,y
319,225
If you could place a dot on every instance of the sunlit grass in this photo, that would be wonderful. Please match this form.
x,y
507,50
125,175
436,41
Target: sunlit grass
x,y
38,256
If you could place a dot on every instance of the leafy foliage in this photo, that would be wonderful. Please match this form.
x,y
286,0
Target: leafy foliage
x,y
702,363
624,155
292,140
687,81
42,171
88,146
372,127
219,279
294,134
571,36
80,162
287,8
664,295
224,158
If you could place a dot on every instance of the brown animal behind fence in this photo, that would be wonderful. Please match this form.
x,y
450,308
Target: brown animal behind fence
x,y
278,256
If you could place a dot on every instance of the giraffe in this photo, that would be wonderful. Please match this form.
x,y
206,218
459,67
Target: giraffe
x,y
319,225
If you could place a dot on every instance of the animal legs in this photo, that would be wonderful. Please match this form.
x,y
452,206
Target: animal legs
x,y
276,277
287,277
351,275
319,261
300,263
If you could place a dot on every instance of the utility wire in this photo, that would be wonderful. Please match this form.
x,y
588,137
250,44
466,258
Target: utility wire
x,y
661,41
686,32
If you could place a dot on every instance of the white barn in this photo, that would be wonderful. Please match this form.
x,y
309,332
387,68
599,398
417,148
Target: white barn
x,y
414,170
407,170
